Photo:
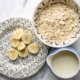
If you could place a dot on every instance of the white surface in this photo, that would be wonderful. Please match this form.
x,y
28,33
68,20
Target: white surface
x,y
25,8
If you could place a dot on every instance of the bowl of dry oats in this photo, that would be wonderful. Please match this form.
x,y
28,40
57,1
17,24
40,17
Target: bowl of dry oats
x,y
57,22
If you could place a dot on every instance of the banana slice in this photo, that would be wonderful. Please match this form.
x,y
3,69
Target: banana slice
x,y
33,48
14,42
21,46
27,38
18,33
13,54
23,53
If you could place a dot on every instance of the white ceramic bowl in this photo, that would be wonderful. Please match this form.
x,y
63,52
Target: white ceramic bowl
x,y
38,9
54,52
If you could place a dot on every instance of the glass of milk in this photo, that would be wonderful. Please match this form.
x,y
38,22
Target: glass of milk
x,y
64,62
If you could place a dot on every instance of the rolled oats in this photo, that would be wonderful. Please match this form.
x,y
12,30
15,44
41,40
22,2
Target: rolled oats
x,y
57,22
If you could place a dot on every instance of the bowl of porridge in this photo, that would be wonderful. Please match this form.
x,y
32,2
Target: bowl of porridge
x,y
56,22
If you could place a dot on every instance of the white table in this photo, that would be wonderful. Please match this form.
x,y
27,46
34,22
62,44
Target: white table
x,y
25,8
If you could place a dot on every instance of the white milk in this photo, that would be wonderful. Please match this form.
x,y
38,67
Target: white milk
x,y
65,63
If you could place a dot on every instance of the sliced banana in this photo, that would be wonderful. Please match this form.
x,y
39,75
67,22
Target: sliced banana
x,y
27,38
14,42
21,46
18,33
23,53
33,48
13,54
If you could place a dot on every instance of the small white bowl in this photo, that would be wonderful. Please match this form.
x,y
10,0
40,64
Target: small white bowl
x,y
54,52
38,9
